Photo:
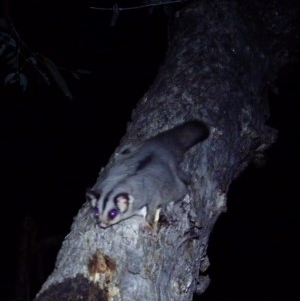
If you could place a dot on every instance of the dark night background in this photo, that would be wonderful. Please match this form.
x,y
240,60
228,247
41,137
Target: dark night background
x,y
53,148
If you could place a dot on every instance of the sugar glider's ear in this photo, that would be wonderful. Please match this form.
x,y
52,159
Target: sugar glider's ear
x,y
125,151
123,201
92,196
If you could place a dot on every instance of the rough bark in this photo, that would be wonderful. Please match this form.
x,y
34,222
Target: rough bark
x,y
221,56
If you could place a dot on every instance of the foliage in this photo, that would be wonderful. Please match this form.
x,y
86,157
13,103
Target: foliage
x,y
20,61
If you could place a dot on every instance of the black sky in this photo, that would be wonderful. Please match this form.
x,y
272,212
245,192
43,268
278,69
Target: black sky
x,y
53,148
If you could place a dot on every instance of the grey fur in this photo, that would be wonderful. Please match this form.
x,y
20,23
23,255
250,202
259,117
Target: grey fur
x,y
145,177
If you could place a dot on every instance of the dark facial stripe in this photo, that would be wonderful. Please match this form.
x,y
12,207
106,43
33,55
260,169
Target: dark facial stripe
x,y
106,199
144,162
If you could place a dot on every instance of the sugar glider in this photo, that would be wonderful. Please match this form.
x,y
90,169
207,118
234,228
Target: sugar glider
x,y
145,177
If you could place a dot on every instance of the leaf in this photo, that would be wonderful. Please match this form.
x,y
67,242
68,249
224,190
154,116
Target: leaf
x,y
2,49
43,75
83,71
10,54
8,39
4,36
75,75
32,60
10,78
23,81
58,78
13,62
12,42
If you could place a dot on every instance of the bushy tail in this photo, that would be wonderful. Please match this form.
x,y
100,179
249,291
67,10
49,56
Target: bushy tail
x,y
184,136
190,133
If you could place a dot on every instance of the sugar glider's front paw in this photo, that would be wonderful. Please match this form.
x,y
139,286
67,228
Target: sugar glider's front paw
x,y
151,223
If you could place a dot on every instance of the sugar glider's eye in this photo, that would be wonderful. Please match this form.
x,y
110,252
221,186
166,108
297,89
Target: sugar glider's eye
x,y
113,213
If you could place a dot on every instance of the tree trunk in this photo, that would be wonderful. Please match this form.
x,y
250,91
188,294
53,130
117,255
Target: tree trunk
x,y
221,56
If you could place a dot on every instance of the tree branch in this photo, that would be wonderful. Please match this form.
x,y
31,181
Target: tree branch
x,y
217,67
